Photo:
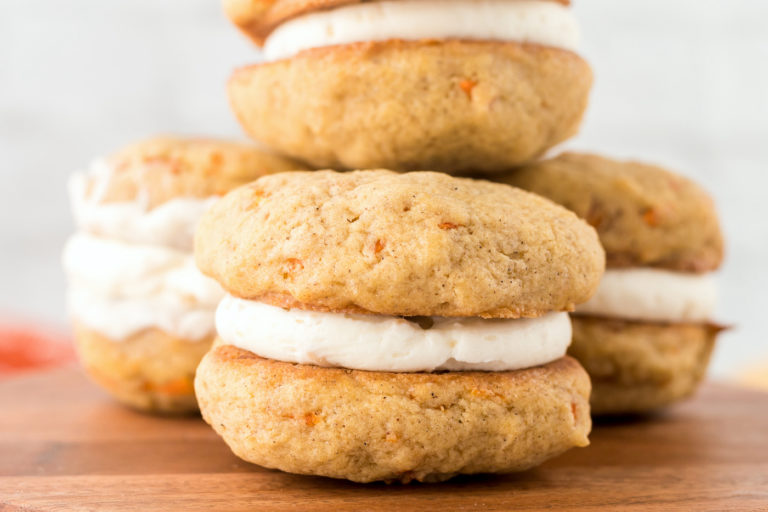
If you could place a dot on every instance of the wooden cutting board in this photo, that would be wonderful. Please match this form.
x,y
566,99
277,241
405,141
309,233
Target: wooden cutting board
x,y
65,446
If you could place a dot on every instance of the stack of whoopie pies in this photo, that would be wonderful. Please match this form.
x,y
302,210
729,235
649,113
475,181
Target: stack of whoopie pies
x,y
384,325
398,323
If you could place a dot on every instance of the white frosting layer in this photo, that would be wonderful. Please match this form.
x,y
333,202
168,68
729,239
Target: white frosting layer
x,y
526,21
117,319
392,344
171,224
119,288
653,295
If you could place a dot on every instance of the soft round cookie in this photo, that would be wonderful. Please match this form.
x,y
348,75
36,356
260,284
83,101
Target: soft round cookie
x,y
257,18
637,367
163,168
425,427
150,370
365,240
645,215
487,105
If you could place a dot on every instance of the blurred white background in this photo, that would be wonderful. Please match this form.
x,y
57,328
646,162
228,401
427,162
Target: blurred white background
x,y
683,83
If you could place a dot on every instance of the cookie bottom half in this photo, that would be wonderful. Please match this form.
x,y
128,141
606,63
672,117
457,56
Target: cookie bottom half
x,y
637,367
368,426
151,371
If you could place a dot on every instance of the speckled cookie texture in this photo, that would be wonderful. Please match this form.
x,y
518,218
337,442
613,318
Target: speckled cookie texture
x,y
163,168
410,244
150,370
645,216
369,426
640,366
257,18
486,105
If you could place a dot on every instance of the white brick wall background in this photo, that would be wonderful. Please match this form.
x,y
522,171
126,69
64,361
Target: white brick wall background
x,y
683,83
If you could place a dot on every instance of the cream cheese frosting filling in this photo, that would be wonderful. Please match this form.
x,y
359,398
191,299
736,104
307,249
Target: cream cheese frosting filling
x,y
525,21
118,288
391,344
118,319
170,224
653,295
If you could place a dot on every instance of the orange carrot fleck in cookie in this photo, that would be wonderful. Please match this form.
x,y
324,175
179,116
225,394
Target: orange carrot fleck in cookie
x,y
294,264
650,217
258,195
180,386
216,158
378,246
595,216
311,419
467,85
447,225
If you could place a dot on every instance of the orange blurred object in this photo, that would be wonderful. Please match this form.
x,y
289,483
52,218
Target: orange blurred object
x,y
23,348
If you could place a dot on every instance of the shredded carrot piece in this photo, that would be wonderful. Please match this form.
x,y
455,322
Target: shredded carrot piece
x,y
294,264
467,85
181,386
311,419
650,217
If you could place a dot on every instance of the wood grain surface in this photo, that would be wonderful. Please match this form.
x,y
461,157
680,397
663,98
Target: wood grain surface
x,y
65,446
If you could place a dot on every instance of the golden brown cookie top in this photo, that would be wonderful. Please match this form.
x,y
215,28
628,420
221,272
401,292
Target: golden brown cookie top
x,y
164,168
257,18
645,215
411,244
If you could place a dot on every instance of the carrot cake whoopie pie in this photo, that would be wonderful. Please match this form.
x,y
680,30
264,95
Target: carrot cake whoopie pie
x,y
385,326
143,313
647,334
449,85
